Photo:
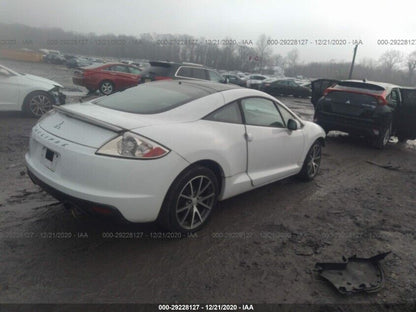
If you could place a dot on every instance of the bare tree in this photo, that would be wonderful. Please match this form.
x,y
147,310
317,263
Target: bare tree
x,y
390,59
411,65
263,50
292,58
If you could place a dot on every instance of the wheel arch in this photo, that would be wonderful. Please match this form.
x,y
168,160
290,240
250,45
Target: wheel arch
x,y
207,163
215,168
29,93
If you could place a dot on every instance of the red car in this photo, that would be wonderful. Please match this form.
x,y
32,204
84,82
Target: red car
x,y
107,78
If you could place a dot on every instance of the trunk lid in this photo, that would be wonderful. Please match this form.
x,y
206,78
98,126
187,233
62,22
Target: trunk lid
x,y
349,103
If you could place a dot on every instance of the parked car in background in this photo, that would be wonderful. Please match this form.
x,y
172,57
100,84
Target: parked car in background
x,y
285,87
234,79
28,93
107,78
254,81
169,70
77,62
371,109
169,150
54,58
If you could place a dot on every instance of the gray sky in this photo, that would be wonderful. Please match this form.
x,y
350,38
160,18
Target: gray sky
x,y
368,21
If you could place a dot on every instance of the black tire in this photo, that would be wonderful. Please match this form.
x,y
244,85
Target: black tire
x,y
184,196
106,87
312,162
402,139
90,91
383,138
38,103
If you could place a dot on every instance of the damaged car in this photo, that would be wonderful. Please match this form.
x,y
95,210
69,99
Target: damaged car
x,y
374,110
28,93
169,150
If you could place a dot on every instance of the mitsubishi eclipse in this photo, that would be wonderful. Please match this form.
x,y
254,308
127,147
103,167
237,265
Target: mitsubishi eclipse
x,y
169,150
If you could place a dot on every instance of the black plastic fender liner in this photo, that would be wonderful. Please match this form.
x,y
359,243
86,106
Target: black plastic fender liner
x,y
354,274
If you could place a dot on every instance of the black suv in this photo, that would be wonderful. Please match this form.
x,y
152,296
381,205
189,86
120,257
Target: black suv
x,y
375,110
169,70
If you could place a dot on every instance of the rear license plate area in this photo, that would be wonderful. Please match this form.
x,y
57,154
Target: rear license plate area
x,y
49,158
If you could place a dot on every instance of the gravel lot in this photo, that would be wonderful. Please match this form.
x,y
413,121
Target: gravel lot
x,y
259,247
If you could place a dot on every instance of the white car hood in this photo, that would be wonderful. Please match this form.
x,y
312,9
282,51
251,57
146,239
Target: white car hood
x,y
33,78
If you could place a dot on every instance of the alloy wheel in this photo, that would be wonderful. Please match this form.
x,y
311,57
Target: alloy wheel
x,y
195,202
40,104
314,160
106,88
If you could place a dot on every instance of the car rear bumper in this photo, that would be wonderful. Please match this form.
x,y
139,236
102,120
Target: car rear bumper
x,y
360,126
134,188
88,207
81,81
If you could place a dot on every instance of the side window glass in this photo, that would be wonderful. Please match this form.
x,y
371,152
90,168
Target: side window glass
x,y
134,70
229,113
185,72
394,98
285,114
261,112
213,76
198,73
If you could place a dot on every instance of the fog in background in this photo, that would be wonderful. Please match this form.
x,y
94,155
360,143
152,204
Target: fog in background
x,y
367,21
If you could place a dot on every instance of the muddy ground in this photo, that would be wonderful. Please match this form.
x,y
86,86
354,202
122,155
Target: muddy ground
x,y
259,247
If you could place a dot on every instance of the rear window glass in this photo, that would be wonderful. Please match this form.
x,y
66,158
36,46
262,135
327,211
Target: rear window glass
x,y
152,97
350,98
362,85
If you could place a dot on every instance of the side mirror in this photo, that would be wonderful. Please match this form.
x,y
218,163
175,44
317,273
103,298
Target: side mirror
x,y
292,125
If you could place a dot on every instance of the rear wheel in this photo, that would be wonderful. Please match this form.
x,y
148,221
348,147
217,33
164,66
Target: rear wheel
x,y
190,200
383,138
106,87
312,162
402,138
38,103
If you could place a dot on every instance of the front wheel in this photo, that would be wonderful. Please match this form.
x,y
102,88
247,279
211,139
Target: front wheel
x,y
312,162
38,103
190,200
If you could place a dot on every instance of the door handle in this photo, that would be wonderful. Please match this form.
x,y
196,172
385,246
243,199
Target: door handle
x,y
249,137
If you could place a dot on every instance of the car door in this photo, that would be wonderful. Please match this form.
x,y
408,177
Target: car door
x,y
121,77
280,87
405,115
9,90
273,150
318,88
133,76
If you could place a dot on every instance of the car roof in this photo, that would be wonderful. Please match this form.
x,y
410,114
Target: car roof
x,y
364,85
208,86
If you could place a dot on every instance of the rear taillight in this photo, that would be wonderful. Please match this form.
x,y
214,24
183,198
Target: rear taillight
x,y
326,91
381,100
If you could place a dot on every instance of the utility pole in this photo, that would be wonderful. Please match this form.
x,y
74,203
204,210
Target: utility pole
x,y
353,61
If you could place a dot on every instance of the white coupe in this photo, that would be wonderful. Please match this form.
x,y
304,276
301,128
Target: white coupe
x,y
169,150
31,94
